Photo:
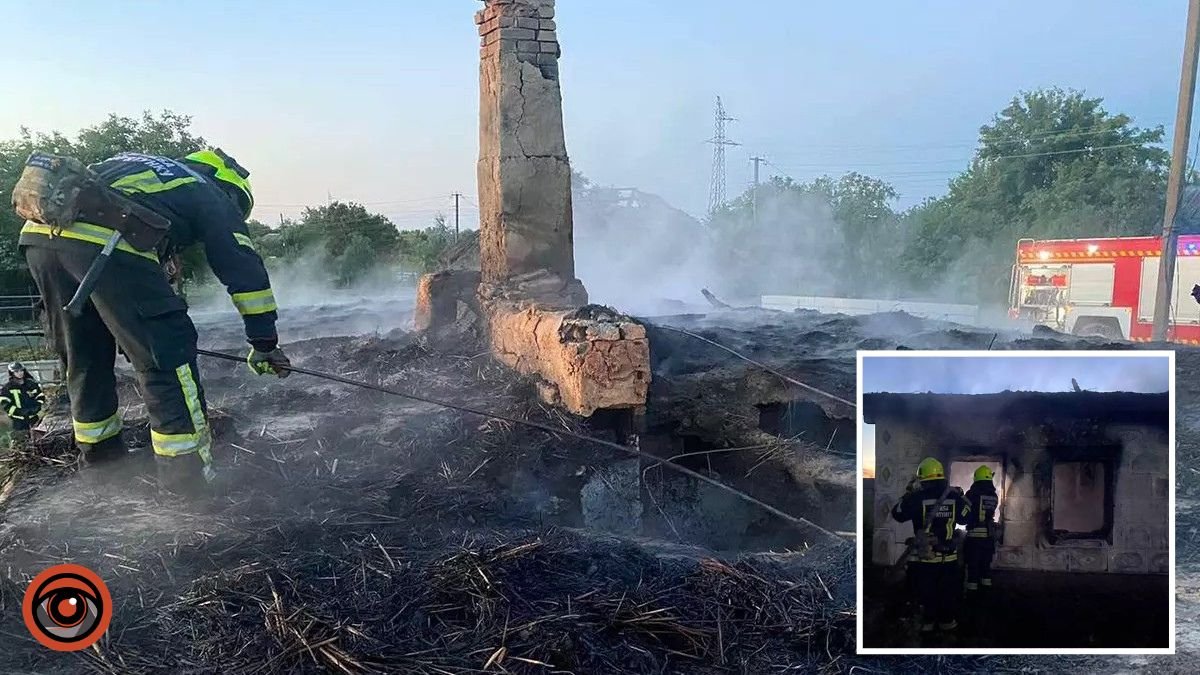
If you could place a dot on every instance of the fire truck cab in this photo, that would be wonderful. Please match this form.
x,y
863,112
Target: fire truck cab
x,y
1104,287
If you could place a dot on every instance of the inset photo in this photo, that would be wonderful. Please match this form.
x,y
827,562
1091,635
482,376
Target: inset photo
x,y
1016,502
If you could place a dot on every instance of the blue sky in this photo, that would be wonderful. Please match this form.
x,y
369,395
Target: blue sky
x,y
987,375
378,101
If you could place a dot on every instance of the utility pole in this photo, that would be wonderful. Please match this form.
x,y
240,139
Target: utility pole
x,y
716,187
1183,132
456,196
754,195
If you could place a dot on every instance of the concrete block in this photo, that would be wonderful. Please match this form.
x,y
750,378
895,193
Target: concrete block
x,y
1158,537
1088,560
883,509
1021,533
547,36
633,331
527,22
1053,560
1021,508
1014,558
518,34
528,46
549,47
548,61
1132,537
606,374
1127,562
1161,487
1132,485
547,24
546,11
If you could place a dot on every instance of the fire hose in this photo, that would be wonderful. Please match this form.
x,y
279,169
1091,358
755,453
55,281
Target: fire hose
x,y
797,521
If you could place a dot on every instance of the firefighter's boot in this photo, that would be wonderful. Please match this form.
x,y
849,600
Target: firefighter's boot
x,y
185,476
105,451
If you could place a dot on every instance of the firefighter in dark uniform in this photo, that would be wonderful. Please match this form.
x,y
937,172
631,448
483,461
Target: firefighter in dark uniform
x,y
207,198
980,546
23,400
934,508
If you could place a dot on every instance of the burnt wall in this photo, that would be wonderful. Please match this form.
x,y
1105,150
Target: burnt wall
x,y
1112,468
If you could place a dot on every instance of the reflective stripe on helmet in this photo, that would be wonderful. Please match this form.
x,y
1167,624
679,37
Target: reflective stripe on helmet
x,y
226,170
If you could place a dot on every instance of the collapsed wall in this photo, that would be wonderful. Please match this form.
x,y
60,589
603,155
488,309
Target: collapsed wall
x,y
1082,477
531,306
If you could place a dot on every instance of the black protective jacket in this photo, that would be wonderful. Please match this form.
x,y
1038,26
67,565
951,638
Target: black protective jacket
x,y
22,399
984,501
200,212
917,507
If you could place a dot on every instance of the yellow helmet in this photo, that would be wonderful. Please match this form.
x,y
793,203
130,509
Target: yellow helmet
x,y
984,473
930,469
226,169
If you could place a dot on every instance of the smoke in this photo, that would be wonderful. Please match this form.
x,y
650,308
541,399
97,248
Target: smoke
x,y
635,252
988,375
312,303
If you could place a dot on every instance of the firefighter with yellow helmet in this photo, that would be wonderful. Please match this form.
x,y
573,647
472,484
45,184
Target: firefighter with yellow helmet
x,y
203,198
980,546
934,507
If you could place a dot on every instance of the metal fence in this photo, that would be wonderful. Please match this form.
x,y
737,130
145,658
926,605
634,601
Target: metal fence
x,y
19,309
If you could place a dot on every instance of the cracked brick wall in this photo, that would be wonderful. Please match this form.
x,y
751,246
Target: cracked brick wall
x,y
524,172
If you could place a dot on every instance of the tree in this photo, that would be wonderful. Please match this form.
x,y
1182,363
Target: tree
x,y
337,223
1051,164
820,237
167,134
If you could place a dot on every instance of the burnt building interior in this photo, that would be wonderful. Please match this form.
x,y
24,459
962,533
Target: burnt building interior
x,y
1083,480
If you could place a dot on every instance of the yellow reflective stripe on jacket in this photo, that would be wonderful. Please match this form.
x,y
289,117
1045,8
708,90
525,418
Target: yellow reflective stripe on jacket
x,y
244,240
148,182
200,440
93,234
94,432
255,302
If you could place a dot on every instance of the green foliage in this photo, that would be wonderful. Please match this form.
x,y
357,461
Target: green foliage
x,y
419,250
167,134
1052,164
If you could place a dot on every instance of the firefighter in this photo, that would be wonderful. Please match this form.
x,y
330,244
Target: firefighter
x,y
934,507
980,546
23,400
207,198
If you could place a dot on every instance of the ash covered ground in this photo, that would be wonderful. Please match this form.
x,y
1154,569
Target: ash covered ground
x,y
367,533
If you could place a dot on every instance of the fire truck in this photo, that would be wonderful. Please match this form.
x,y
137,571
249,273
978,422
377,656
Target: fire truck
x,y
1104,287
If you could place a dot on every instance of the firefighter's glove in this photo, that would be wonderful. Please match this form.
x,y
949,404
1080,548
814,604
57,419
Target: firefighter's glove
x,y
274,362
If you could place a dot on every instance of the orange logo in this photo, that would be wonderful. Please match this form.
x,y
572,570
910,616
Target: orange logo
x,y
67,608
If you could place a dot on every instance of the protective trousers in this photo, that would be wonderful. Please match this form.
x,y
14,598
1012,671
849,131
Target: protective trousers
x,y
979,552
133,306
939,585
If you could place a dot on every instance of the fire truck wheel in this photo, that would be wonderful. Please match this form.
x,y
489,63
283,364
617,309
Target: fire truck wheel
x,y
1105,328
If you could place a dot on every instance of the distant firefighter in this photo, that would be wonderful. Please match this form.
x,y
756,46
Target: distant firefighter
x,y
934,507
980,546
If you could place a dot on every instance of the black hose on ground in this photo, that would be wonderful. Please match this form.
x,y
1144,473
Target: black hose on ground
x,y
798,522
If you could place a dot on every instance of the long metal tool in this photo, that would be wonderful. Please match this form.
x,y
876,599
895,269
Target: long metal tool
x,y
75,306
800,523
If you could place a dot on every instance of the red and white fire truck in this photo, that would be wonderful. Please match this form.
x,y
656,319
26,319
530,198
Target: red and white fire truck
x,y
1104,286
